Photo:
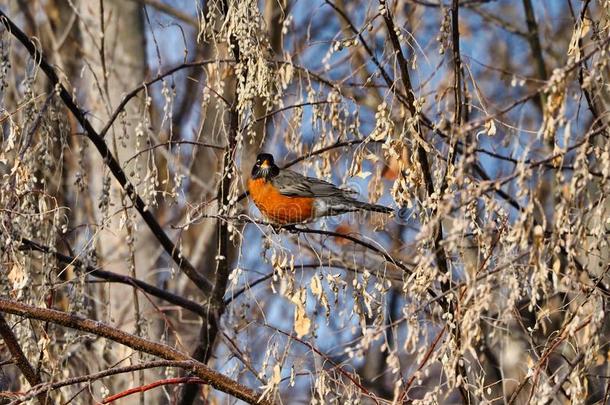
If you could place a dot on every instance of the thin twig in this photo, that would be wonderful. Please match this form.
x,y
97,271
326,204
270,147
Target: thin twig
x,y
349,376
89,378
171,11
148,387
32,130
146,84
169,143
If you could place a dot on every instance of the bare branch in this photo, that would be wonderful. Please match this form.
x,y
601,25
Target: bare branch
x,y
182,302
19,357
211,377
200,281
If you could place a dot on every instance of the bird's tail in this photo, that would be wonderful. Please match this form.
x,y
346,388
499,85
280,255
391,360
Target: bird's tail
x,y
371,207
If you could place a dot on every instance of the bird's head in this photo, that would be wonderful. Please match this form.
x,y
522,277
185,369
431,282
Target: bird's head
x,y
264,167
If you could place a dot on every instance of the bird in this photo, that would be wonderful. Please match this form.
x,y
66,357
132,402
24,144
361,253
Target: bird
x,y
287,197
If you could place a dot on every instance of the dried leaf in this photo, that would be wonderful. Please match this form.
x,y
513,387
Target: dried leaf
x,y
316,286
302,323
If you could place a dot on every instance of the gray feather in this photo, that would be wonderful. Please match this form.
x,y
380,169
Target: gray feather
x,y
331,200
295,184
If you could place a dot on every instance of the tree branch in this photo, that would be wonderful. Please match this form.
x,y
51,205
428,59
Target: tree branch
x,y
10,340
200,281
210,326
211,377
182,302
439,250
534,40
441,257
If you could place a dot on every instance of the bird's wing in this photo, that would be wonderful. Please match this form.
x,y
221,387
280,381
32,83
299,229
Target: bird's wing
x,y
294,184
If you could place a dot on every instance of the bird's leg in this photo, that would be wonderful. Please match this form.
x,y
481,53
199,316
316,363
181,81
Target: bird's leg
x,y
276,227
290,228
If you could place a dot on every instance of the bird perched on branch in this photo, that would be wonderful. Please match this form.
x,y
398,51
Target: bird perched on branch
x,y
287,197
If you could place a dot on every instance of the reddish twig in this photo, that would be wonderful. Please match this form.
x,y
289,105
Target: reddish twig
x,y
47,387
422,364
148,387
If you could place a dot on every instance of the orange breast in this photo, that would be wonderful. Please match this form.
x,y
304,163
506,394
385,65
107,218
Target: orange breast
x,y
277,207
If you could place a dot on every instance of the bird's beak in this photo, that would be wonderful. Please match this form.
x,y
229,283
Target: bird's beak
x,y
265,165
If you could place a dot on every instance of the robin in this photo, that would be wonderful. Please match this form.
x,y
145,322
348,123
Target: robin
x,y
287,197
